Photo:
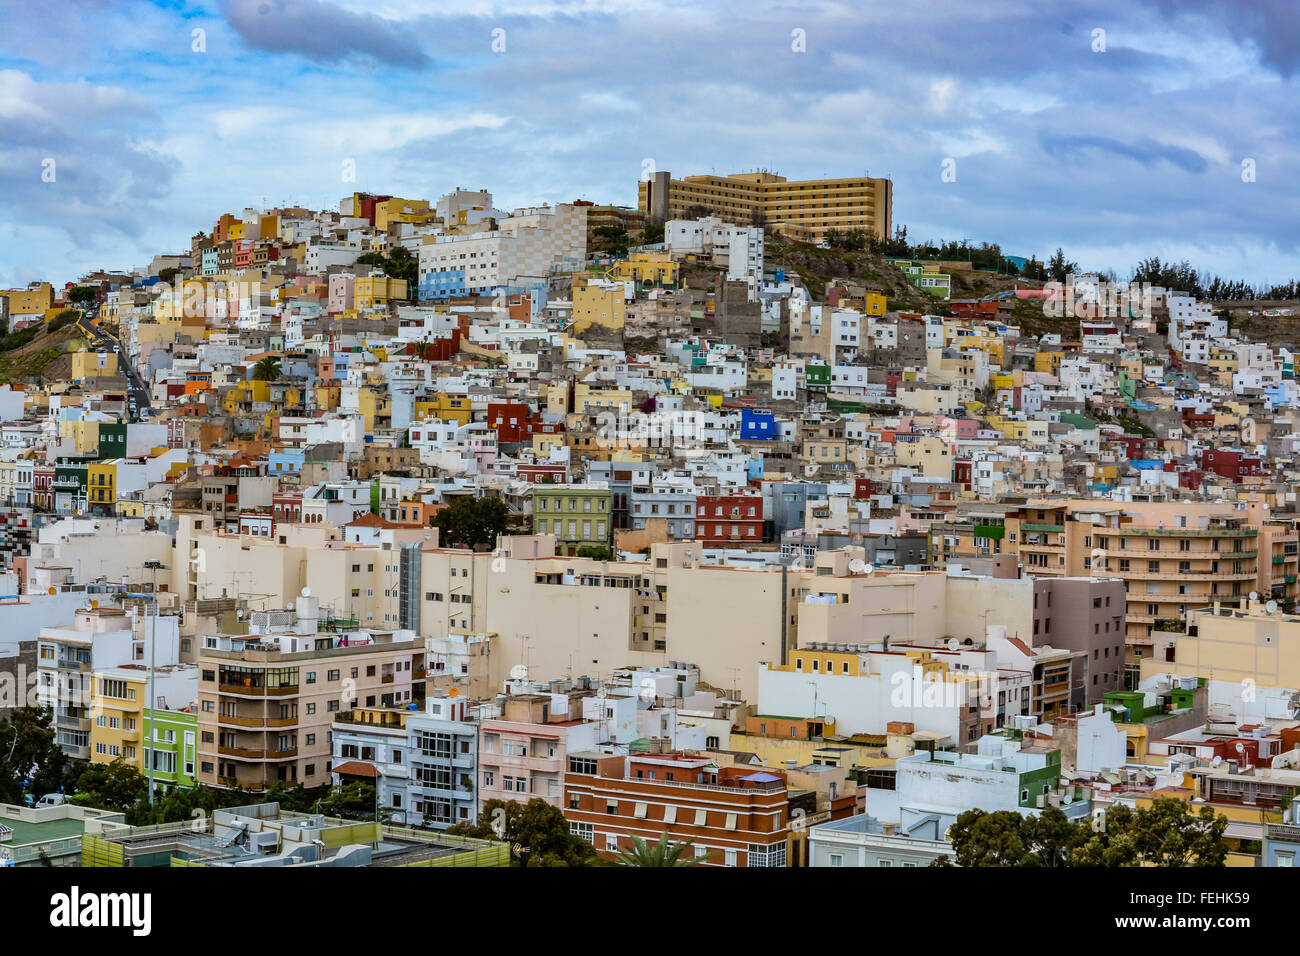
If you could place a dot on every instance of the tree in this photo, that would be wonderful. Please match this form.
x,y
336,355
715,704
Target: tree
x,y
471,522
185,803
111,786
594,551
1060,268
660,853
83,295
1168,833
267,370
28,752
352,801
538,829
421,350
652,234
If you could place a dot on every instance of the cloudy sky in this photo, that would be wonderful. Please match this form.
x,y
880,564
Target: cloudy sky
x,y
1117,130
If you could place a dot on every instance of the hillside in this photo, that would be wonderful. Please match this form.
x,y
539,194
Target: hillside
x,y
46,356
817,267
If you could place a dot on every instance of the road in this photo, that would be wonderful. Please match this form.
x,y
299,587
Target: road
x,y
101,340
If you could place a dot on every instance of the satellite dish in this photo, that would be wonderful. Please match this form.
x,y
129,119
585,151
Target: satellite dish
x,y
601,693
1271,607
305,592
289,606
1254,595
1240,748
858,566
1216,761
519,672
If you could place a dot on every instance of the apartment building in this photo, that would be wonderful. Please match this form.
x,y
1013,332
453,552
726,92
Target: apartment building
x,y
1248,656
423,763
523,752
577,515
98,640
268,698
123,724
804,209
734,519
1173,556
733,816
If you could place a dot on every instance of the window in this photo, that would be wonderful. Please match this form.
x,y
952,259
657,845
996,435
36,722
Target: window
x,y
837,859
583,831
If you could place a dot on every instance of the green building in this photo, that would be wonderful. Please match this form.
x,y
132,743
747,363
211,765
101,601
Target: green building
x,y
575,515
171,748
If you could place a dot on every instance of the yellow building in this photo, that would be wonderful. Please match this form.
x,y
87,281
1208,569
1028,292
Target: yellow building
x,y
118,696
402,210
587,398
377,290
805,209
101,480
447,408
597,303
87,364
655,268
36,299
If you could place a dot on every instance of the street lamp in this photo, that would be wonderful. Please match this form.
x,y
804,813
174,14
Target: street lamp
x,y
155,567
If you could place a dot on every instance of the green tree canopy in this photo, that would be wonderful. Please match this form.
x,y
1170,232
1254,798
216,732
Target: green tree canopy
x,y
267,369
537,828
1168,833
28,751
111,786
471,522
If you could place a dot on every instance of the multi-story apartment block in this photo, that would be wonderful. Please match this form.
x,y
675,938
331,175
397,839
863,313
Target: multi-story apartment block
x,y
1173,556
732,816
523,752
577,515
422,763
267,699
724,519
806,209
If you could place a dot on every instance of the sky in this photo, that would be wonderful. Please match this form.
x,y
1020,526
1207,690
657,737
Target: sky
x,y
1116,130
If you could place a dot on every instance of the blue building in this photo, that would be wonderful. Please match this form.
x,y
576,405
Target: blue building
x,y
758,425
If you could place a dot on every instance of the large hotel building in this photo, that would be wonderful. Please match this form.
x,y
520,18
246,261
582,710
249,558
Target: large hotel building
x,y
803,209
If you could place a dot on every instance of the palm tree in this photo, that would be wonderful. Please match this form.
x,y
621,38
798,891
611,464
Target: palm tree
x,y
662,853
267,370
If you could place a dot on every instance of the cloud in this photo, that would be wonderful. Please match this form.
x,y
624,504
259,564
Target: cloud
x,y
1114,156
71,159
1271,26
322,32
1146,151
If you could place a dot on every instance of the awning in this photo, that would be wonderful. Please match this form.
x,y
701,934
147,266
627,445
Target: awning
x,y
355,768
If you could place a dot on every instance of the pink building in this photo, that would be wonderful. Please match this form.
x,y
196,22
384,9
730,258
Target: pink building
x,y
523,754
341,293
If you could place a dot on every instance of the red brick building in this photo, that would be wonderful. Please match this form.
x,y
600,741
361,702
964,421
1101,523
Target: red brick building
x,y
723,519
734,816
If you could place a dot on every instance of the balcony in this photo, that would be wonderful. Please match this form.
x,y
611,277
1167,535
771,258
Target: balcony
x,y
248,690
245,753
1180,532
